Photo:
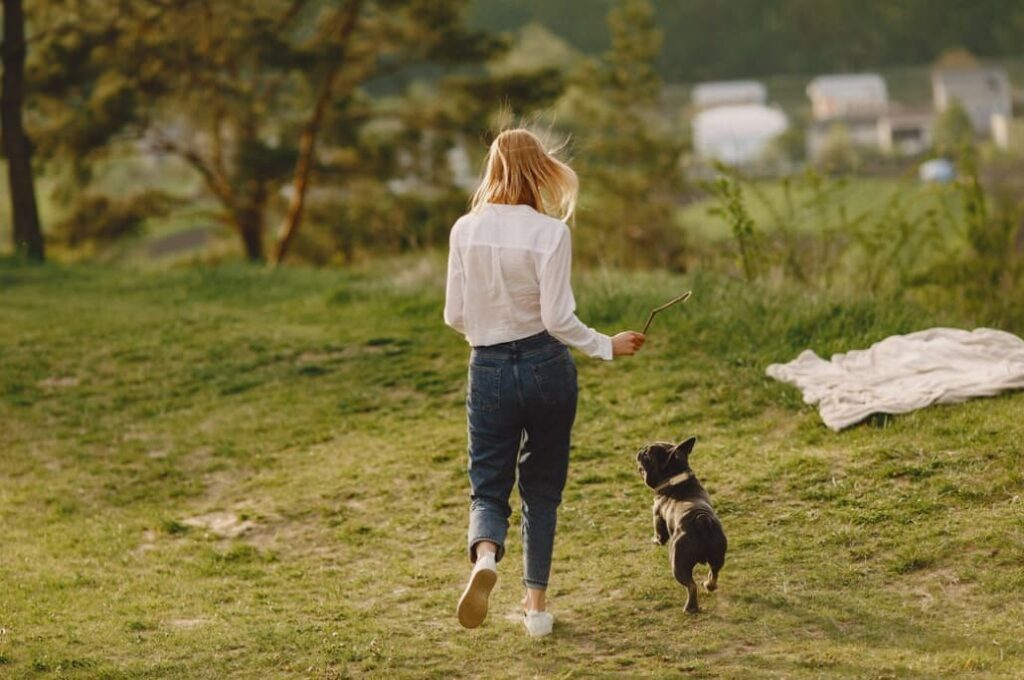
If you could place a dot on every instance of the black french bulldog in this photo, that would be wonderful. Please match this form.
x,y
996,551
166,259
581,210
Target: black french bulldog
x,y
683,513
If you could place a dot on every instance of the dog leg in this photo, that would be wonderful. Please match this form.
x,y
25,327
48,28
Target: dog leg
x,y
682,562
660,529
716,563
691,598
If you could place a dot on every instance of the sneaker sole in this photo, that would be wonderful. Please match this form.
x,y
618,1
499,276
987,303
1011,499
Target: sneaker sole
x,y
473,603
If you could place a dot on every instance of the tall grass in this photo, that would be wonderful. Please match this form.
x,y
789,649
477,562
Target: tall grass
x,y
960,248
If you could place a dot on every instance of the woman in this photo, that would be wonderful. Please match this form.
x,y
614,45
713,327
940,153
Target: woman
x,y
508,292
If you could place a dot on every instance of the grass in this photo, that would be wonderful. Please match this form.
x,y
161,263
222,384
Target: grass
x,y
768,204
232,472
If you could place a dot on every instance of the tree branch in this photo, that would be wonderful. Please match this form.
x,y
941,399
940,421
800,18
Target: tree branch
x,y
215,181
343,25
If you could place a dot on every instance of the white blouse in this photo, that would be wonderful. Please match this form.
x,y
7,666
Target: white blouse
x,y
508,279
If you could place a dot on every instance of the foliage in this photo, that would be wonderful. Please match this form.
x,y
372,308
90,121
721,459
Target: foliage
x,y
953,130
96,219
729,194
893,245
628,159
791,145
838,154
990,269
712,39
238,90
372,220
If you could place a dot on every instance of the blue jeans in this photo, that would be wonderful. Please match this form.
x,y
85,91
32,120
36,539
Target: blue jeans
x,y
520,406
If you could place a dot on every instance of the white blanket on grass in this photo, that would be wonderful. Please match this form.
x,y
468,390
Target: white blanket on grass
x,y
906,372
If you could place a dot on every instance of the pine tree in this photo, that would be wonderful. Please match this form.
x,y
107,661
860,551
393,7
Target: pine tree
x,y
629,157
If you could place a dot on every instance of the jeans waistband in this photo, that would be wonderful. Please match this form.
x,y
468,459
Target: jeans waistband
x,y
534,343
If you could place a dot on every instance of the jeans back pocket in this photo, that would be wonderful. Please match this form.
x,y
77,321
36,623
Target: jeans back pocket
x,y
484,393
556,378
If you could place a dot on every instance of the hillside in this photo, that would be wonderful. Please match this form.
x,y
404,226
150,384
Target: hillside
x,y
709,39
235,472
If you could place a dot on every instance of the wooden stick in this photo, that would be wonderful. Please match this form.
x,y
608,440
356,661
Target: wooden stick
x,y
682,298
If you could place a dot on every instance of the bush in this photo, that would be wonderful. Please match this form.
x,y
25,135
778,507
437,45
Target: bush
x,y
96,218
838,154
953,131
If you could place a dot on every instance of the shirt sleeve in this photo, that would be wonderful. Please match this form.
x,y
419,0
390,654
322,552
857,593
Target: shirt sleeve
x,y
558,306
453,305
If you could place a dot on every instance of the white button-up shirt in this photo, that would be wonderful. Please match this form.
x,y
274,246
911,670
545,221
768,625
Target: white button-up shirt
x,y
508,279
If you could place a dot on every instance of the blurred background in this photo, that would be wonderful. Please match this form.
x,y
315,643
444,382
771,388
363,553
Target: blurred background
x,y
871,142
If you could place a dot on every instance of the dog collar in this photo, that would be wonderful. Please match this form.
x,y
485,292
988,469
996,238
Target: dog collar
x,y
672,481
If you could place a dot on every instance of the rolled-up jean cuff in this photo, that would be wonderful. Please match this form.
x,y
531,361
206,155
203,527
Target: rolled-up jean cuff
x,y
535,585
495,541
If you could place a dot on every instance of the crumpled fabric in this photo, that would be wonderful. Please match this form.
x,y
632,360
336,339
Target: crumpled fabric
x,y
903,373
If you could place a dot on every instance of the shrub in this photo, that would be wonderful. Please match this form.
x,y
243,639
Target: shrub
x,y
96,218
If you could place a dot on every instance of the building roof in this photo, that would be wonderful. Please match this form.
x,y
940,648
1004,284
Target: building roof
x,y
726,92
983,82
854,86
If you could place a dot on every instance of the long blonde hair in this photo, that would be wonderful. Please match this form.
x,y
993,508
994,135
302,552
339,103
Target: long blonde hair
x,y
520,170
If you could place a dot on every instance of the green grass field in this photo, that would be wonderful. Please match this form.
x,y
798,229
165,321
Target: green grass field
x,y
233,472
769,205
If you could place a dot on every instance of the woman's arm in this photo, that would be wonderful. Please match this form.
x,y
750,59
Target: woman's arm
x,y
558,306
453,315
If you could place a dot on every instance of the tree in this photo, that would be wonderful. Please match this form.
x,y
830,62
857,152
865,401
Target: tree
x,y
242,91
838,154
953,130
629,157
28,237
721,39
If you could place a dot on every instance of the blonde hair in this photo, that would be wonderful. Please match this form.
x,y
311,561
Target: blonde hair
x,y
519,170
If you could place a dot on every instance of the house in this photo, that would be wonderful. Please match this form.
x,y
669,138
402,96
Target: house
x,y
906,132
983,92
737,135
855,102
845,97
728,93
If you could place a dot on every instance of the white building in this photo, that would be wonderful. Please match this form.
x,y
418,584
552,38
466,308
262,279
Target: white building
x,y
984,93
857,102
737,135
906,132
728,93
845,97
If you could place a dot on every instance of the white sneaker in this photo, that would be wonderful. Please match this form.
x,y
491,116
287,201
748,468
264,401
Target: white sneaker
x,y
472,608
538,624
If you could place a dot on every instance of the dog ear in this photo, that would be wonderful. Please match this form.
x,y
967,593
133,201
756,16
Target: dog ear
x,y
683,450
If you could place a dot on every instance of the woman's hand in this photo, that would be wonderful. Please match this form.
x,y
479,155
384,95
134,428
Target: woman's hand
x,y
627,343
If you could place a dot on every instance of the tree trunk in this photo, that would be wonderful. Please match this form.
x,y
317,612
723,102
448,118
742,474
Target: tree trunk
x,y
27,235
249,222
307,143
307,146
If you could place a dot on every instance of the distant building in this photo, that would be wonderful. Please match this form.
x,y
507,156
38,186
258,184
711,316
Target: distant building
x,y
856,102
737,135
906,132
984,93
845,97
728,93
